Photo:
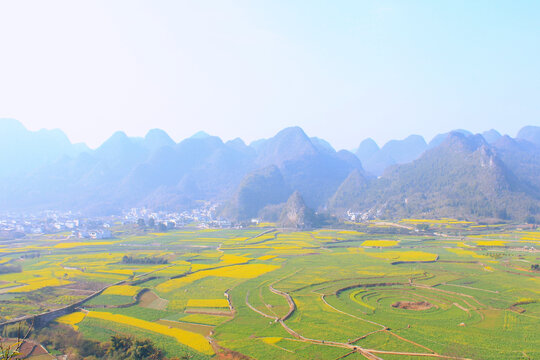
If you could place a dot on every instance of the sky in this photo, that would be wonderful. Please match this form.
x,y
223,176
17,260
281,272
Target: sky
x,y
342,70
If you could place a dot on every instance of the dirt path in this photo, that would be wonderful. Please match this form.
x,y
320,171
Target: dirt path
x,y
351,315
344,356
383,328
367,353
228,296
365,336
290,301
460,307
459,296
275,318
470,287
450,292
261,234
415,354
268,306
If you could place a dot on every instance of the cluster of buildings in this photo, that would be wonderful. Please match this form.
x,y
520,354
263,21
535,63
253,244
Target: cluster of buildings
x,y
50,222
204,217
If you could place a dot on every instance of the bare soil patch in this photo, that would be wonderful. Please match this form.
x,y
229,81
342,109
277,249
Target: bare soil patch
x,y
151,300
86,285
411,305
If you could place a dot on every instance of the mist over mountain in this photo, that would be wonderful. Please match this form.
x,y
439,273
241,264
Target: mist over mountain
x,y
312,167
22,150
257,190
375,160
456,174
530,133
439,139
491,136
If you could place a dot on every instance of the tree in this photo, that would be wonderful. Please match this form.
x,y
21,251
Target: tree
x,y
162,227
21,331
145,349
151,222
8,352
121,343
141,222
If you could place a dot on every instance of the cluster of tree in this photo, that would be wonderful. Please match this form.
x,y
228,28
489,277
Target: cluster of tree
x,y
123,347
530,220
144,260
162,227
10,235
16,331
422,227
65,340
535,267
8,269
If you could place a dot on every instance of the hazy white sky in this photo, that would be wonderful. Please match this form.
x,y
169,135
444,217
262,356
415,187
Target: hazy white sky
x,y
342,70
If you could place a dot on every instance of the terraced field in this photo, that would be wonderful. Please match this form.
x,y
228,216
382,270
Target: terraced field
x,y
375,291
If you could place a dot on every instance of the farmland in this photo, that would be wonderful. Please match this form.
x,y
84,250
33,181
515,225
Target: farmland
x,y
377,290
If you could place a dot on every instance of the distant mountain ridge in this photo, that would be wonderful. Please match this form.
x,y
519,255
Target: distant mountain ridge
x,y
22,150
376,160
464,177
456,174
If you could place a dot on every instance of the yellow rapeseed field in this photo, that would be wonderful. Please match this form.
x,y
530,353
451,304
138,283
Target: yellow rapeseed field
x,y
188,338
197,267
36,284
126,290
271,340
247,271
491,243
406,256
234,259
213,303
70,245
72,319
266,257
380,243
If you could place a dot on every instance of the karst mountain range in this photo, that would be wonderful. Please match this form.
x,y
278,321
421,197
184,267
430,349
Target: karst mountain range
x,y
457,174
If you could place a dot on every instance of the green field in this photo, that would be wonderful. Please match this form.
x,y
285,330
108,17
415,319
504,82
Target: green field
x,y
376,291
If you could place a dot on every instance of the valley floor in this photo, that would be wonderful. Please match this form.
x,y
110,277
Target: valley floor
x,y
458,290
